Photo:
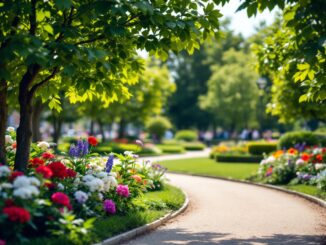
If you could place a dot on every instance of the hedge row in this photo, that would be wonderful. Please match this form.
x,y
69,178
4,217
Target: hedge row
x,y
244,159
261,148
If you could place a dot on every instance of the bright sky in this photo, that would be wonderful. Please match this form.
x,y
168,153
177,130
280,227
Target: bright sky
x,y
240,22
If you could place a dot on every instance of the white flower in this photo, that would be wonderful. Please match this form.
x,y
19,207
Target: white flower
x,y
9,140
102,175
81,196
319,166
299,162
26,192
88,178
43,145
24,181
128,153
317,151
10,129
6,186
95,185
61,187
4,171
113,181
34,181
77,181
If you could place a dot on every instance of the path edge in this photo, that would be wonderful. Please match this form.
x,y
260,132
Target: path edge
x,y
310,198
126,236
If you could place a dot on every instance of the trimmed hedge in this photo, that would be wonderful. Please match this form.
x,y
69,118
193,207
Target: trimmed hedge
x,y
244,159
196,146
121,148
290,139
260,148
186,135
171,148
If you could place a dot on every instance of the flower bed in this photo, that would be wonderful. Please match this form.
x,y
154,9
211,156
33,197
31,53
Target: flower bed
x,y
300,165
64,195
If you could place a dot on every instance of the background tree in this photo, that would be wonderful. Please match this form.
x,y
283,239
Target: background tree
x,y
149,97
191,74
232,92
89,45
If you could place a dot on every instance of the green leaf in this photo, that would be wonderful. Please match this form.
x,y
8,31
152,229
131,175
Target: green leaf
x,y
63,4
303,98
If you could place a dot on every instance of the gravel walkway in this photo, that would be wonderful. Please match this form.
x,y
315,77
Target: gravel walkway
x,y
223,212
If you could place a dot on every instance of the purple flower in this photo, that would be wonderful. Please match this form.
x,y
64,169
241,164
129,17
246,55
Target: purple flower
x,y
109,164
300,147
109,206
123,190
73,151
80,149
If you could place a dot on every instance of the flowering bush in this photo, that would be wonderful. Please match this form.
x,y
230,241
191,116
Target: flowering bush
x,y
299,165
62,195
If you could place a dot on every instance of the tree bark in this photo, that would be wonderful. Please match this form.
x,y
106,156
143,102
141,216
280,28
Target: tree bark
x,y
122,127
100,124
3,120
24,131
36,117
91,129
57,126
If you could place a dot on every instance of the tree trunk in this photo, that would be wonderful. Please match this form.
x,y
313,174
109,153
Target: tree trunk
x,y
91,129
57,125
100,123
3,120
36,117
122,127
24,131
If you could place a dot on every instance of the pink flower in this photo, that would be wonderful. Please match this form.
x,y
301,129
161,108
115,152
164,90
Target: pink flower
x,y
123,190
109,206
61,199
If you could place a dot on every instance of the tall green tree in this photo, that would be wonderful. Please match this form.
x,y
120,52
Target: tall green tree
x,y
88,45
232,92
191,74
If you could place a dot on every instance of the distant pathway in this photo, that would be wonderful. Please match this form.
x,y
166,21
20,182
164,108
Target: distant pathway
x,y
223,212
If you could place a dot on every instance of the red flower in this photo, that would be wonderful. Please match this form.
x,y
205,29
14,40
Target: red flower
x,y
71,173
61,199
15,174
45,171
17,214
59,170
305,157
14,145
35,162
92,140
47,155
319,158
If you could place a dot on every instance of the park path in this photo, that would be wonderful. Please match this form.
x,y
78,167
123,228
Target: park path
x,y
224,212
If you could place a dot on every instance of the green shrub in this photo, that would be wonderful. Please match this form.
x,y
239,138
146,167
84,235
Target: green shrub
x,y
69,139
260,148
186,135
234,158
321,137
194,146
106,148
171,148
157,127
290,139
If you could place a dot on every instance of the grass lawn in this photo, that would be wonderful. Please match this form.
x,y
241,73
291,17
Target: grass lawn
x,y
152,206
239,171
206,166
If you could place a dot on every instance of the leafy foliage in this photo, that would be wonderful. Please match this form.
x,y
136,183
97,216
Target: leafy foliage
x,y
232,92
